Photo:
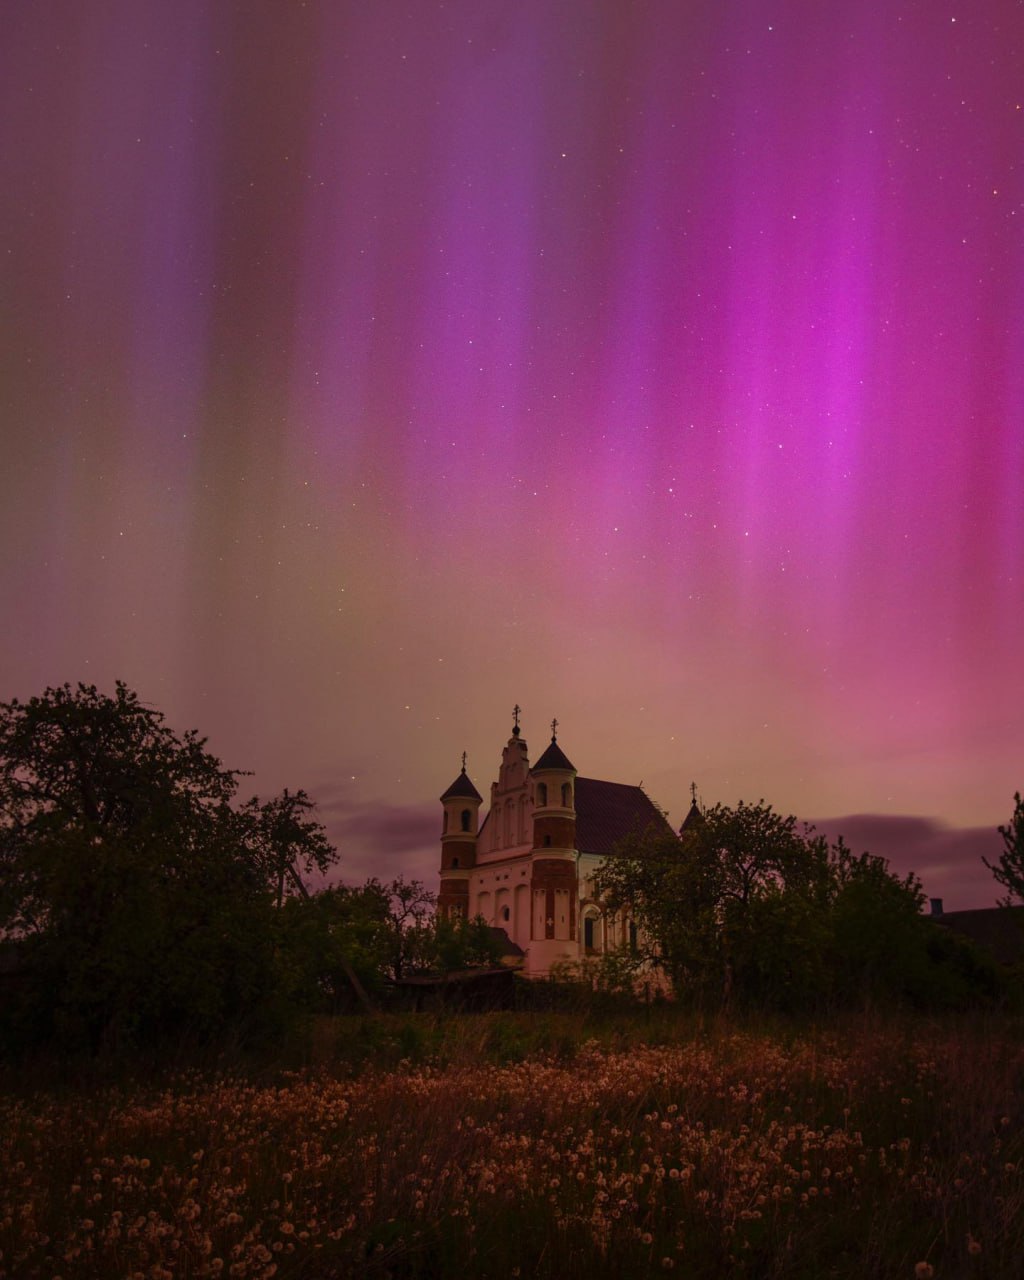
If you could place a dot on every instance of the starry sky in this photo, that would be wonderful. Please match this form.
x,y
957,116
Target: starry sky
x,y
367,368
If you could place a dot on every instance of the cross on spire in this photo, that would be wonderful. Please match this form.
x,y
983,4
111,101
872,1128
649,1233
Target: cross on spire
x,y
554,730
693,792
516,710
463,762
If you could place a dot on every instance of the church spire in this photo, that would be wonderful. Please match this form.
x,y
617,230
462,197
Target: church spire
x,y
694,818
462,786
554,757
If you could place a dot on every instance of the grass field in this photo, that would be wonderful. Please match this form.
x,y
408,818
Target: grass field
x,y
538,1145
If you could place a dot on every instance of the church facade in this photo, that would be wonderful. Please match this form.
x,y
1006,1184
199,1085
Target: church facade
x,y
528,867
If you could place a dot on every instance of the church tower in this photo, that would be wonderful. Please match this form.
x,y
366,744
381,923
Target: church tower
x,y
459,828
508,825
554,872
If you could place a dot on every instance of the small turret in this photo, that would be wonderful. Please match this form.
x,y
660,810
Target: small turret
x,y
554,803
554,880
694,819
460,824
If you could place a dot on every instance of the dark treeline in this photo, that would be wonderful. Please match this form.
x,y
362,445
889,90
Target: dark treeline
x,y
139,899
749,909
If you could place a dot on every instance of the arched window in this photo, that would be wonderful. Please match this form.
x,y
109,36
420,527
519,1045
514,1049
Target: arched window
x,y
444,822
455,862
465,819
542,793
588,933
505,913
547,842
566,796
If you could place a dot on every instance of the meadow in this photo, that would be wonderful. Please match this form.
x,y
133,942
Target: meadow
x,y
511,1145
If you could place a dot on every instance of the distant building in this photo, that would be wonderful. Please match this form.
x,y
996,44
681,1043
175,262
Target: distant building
x,y
1000,930
528,867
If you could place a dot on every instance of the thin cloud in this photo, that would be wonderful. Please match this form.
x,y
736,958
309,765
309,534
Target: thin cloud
x,y
387,840
947,860
382,840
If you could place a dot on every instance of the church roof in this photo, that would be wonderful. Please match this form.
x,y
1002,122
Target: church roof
x,y
554,758
462,787
607,812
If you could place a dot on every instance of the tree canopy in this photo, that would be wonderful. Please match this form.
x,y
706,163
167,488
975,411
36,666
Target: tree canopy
x,y
381,933
139,898
137,894
749,906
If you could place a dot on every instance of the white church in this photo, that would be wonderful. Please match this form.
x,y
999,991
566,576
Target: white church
x,y
528,867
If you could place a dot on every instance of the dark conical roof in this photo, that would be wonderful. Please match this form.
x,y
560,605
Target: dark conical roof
x,y
693,819
462,787
554,758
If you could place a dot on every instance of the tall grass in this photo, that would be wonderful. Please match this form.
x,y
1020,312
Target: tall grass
x,y
509,1145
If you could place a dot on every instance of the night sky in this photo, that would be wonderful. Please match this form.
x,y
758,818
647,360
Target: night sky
x,y
367,368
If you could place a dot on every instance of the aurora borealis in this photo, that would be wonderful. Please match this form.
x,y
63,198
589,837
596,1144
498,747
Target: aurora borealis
x,y
369,368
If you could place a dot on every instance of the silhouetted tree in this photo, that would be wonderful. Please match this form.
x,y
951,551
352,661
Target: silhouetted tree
x,y
748,906
878,946
137,898
286,841
375,933
716,905
1009,870
410,915
457,943
335,947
